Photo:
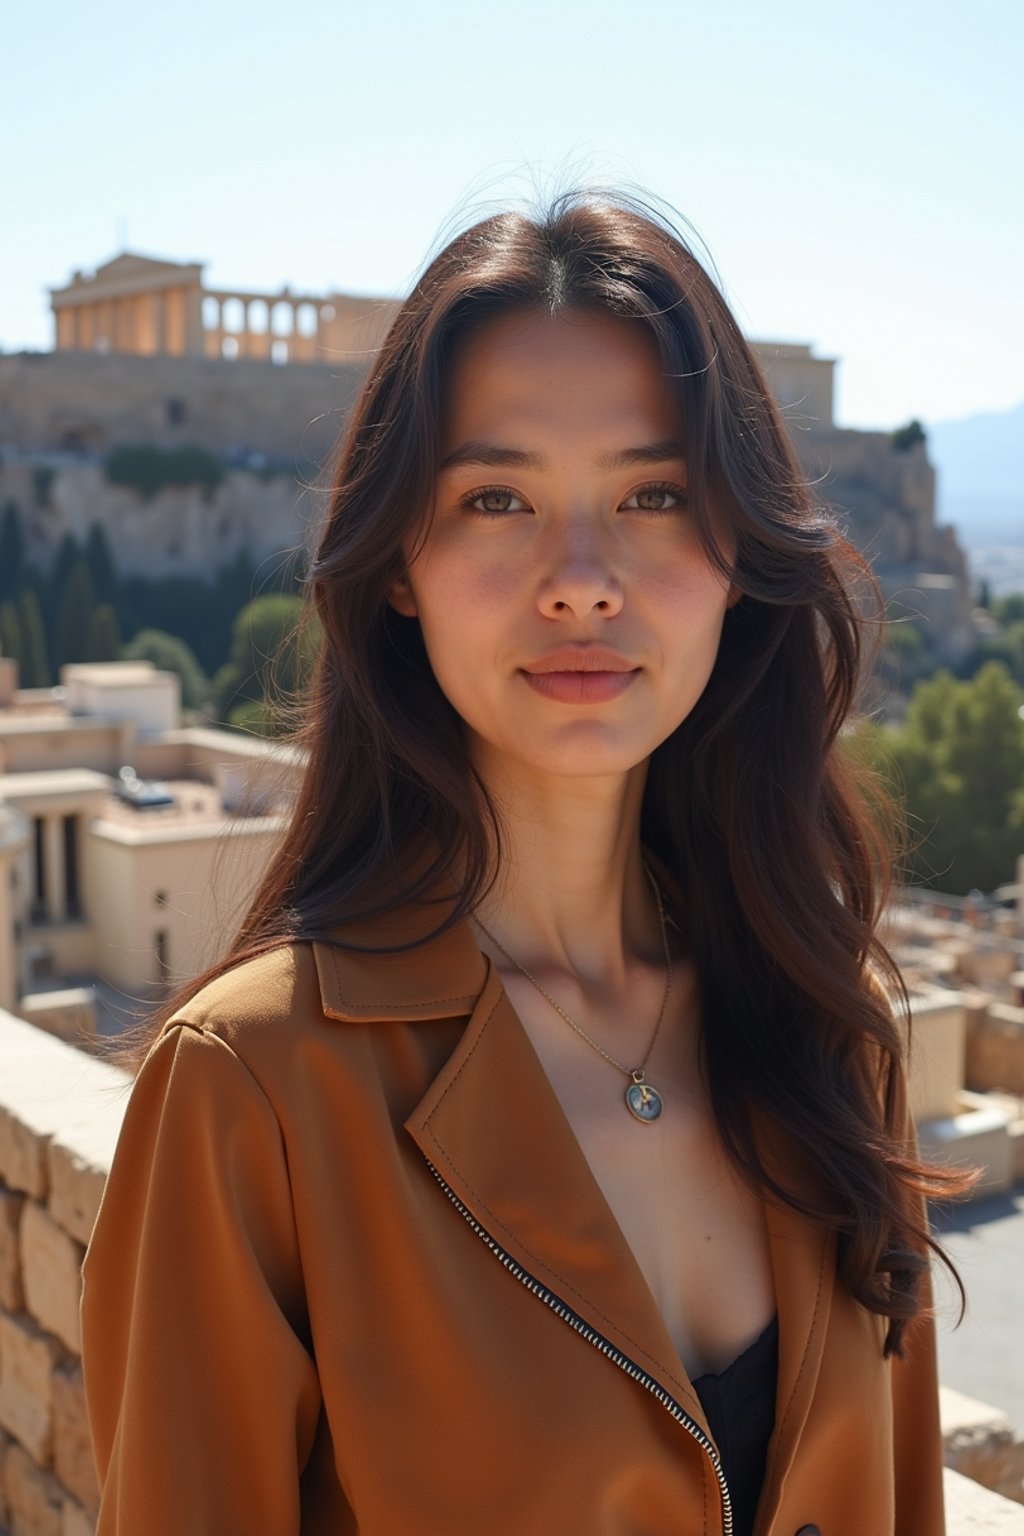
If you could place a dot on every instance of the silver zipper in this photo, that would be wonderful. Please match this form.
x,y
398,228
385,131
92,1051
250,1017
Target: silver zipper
x,y
599,1342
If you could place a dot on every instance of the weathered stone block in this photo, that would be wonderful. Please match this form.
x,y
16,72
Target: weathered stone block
x,y
1017,1151
79,1163
34,1497
75,1521
995,1050
973,1511
51,1264
4,1444
50,1090
30,1423
27,1358
981,1443
73,1459
12,1297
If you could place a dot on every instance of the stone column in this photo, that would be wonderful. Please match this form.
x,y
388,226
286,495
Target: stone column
x,y
192,299
8,961
53,858
14,841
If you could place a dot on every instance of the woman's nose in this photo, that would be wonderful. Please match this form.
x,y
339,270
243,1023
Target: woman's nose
x,y
580,578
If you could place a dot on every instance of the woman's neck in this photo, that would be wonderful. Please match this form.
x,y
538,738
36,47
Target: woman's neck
x,y
571,890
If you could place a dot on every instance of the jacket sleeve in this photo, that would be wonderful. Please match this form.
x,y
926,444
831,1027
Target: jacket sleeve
x,y
202,1397
917,1434
917,1431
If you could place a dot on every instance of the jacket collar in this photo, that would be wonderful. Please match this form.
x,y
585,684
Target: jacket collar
x,y
492,1126
439,980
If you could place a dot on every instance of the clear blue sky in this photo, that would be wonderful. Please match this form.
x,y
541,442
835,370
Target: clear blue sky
x,y
854,169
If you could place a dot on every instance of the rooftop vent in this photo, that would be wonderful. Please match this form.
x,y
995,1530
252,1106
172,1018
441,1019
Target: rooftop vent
x,y
143,794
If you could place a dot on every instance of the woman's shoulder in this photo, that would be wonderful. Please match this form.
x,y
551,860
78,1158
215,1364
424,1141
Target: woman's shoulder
x,y
261,1007
254,992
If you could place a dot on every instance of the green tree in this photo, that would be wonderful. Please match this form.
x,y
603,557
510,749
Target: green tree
x,y
12,552
35,665
102,636
269,662
10,632
76,601
42,480
1009,609
904,656
147,468
1007,646
958,762
905,438
100,560
171,655
69,554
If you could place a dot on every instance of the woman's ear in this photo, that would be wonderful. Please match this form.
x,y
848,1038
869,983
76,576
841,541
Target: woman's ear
x,y
735,593
401,598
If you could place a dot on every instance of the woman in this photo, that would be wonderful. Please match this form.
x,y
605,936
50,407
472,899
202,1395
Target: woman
x,y
537,1158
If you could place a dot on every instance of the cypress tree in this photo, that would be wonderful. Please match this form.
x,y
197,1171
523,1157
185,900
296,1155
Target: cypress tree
x,y
103,638
10,633
100,560
35,667
76,601
12,552
69,553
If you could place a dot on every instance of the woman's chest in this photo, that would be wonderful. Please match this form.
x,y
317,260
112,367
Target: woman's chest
x,y
696,1230
469,1278
475,1297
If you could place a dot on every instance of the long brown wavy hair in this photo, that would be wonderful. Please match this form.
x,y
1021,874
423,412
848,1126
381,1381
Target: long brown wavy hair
x,y
750,803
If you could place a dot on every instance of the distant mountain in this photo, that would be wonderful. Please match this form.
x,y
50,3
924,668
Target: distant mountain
x,y
980,464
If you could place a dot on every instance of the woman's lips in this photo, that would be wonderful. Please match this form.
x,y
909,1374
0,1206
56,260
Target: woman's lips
x,y
580,687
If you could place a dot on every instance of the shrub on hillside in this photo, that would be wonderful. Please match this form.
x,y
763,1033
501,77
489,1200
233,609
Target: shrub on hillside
x,y
148,468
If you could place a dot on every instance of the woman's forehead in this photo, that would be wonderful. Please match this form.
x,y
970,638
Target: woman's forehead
x,y
539,374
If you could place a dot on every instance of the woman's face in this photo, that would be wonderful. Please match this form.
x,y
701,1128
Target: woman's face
x,y
569,613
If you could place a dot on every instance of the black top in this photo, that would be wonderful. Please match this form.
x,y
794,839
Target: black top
x,y
739,1405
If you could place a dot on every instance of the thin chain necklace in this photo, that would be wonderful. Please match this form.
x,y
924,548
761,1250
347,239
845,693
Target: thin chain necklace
x,y
643,1100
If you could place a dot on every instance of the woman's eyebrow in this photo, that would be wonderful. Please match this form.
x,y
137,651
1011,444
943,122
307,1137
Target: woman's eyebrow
x,y
496,456
665,452
493,455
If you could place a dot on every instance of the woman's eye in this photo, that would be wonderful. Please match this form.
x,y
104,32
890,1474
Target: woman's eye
x,y
656,498
494,500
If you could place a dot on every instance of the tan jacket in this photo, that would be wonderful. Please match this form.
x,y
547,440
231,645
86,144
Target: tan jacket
x,y
352,1273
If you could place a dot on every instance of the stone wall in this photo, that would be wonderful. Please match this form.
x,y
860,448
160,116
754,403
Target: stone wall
x,y
995,1047
177,532
82,401
60,1114
972,1510
886,503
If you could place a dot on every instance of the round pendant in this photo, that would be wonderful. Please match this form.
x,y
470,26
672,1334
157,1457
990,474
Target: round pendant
x,y
643,1101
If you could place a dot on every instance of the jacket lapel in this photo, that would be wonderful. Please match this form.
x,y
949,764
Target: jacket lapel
x,y
492,1126
803,1269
